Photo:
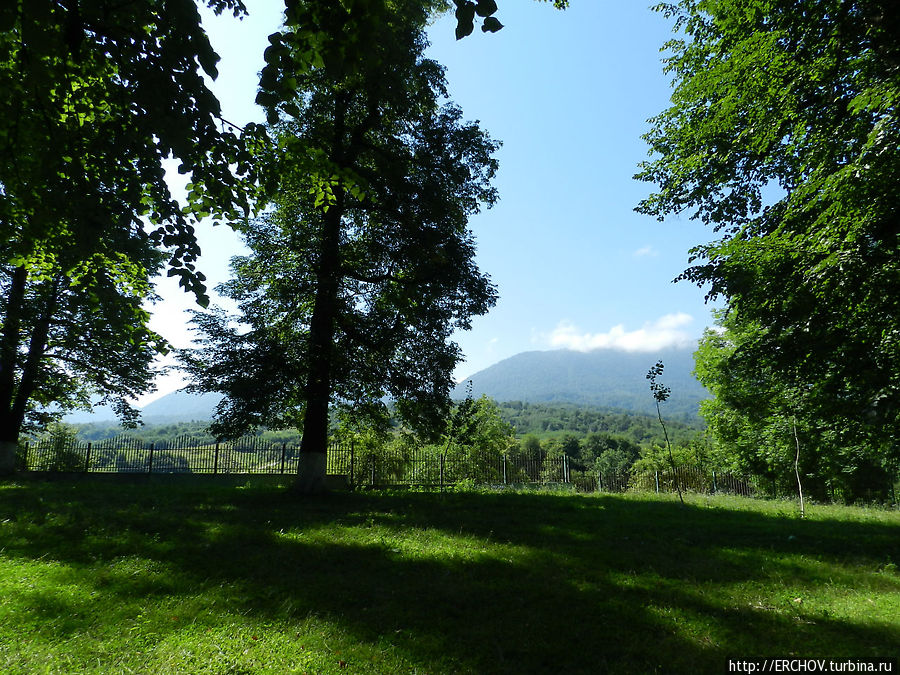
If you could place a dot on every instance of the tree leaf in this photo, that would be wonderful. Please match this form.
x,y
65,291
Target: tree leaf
x,y
491,25
485,8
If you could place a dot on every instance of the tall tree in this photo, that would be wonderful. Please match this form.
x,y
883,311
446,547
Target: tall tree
x,y
363,266
97,95
782,136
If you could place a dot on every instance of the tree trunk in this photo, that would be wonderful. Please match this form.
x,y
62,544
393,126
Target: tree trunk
x,y
36,349
9,354
314,444
8,451
311,473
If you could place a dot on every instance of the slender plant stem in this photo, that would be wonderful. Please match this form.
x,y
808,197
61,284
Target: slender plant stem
x,y
671,457
797,468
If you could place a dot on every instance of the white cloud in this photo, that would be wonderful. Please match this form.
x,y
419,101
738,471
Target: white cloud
x,y
646,252
667,331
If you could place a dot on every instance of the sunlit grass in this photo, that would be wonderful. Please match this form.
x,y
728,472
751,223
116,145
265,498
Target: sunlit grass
x,y
203,579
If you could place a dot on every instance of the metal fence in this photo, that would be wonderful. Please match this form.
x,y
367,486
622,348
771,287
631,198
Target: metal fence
x,y
254,455
251,455
362,466
424,467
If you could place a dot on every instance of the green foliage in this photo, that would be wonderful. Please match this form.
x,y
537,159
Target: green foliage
x,y
781,136
72,330
63,456
655,457
753,416
363,266
86,218
478,425
545,420
87,124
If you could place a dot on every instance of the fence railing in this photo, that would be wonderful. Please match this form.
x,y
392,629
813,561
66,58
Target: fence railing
x,y
362,467
251,455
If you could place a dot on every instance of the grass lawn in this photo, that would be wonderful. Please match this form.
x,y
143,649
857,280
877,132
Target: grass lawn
x,y
197,578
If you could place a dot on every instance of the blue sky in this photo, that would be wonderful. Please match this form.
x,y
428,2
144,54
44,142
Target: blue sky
x,y
569,94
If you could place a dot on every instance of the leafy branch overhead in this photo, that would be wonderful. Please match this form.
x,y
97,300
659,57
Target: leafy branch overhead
x,y
467,10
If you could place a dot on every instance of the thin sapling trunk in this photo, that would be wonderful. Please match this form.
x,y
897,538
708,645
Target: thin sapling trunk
x,y
797,469
661,394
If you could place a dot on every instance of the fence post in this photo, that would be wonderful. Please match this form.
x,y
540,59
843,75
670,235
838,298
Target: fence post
x,y
216,460
599,481
505,481
150,463
656,475
442,472
283,450
87,459
715,485
372,462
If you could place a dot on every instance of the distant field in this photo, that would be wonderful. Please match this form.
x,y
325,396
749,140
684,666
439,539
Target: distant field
x,y
194,578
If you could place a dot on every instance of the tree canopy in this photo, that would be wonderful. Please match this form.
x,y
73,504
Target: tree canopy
x,y
364,265
782,136
98,95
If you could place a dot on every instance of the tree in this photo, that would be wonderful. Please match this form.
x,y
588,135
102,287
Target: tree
x,y
759,415
359,272
74,328
345,37
661,394
781,136
97,95
475,433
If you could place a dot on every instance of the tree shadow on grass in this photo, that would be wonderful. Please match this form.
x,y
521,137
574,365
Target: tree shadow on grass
x,y
466,582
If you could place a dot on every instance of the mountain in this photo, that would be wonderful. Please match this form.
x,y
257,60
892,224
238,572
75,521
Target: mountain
x,y
180,406
100,413
605,378
175,407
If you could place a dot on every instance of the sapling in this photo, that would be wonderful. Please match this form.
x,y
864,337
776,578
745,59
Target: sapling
x,y
797,468
661,395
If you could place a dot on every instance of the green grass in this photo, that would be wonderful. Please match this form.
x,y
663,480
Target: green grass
x,y
193,578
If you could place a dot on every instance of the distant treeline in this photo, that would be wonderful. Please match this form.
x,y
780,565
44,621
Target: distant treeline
x,y
164,433
544,420
547,420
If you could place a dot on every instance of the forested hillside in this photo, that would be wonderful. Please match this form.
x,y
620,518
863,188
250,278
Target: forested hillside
x,y
605,378
555,419
543,420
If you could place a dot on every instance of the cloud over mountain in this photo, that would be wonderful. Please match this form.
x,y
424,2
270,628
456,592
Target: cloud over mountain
x,y
667,331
